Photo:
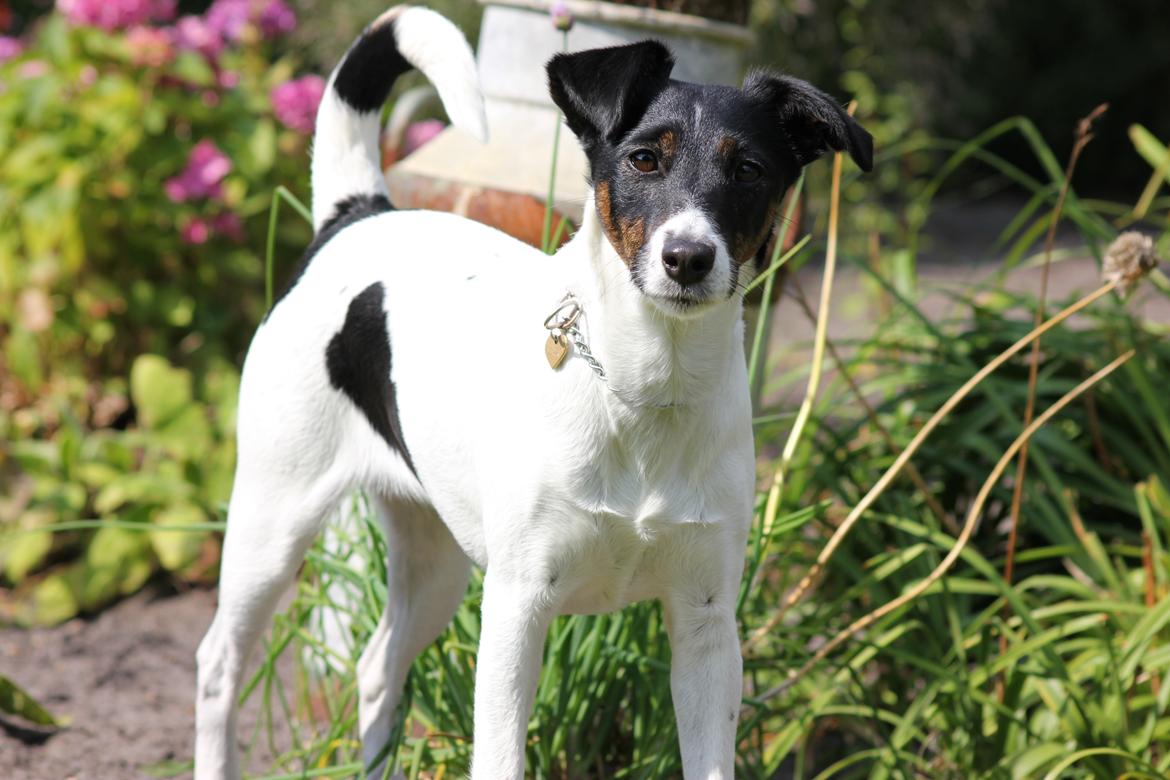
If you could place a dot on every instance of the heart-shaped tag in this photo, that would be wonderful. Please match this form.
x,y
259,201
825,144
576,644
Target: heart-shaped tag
x,y
556,348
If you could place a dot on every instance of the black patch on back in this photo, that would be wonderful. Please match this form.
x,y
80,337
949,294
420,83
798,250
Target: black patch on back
x,y
349,210
358,361
370,68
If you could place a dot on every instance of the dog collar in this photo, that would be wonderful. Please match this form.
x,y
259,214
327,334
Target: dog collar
x,y
562,326
564,334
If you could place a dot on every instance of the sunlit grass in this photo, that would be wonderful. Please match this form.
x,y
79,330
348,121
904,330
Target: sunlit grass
x,y
1061,675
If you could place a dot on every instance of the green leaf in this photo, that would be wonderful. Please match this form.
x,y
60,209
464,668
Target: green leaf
x,y
188,434
160,391
14,701
262,148
1151,149
177,548
51,602
193,68
141,489
117,563
24,551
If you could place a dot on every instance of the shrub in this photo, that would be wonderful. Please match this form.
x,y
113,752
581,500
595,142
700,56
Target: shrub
x,y
142,153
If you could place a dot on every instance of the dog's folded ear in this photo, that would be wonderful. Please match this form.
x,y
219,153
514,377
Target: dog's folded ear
x,y
812,120
604,92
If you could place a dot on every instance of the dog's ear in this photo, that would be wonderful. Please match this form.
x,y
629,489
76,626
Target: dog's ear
x,y
604,92
812,120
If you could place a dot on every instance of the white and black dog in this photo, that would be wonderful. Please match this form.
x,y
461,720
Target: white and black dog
x,y
413,357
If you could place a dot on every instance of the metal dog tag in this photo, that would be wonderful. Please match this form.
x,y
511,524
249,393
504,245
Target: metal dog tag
x,y
556,348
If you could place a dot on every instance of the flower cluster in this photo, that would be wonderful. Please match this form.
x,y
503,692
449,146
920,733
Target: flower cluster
x,y
116,14
10,47
153,36
206,168
149,46
193,33
231,19
202,179
295,102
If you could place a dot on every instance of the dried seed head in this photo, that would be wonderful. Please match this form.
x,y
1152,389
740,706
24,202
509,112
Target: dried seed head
x,y
1129,258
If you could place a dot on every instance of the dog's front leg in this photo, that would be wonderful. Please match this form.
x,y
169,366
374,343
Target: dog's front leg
x,y
706,672
515,619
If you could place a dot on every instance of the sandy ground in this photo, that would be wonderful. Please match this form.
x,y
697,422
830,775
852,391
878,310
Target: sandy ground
x,y
127,677
125,680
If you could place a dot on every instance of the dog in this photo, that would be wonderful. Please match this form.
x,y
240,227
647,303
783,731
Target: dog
x,y
577,425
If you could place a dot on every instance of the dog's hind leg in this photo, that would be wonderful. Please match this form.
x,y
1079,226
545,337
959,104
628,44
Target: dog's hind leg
x,y
426,580
271,522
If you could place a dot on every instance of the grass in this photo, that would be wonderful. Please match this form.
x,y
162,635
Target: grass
x,y
1060,673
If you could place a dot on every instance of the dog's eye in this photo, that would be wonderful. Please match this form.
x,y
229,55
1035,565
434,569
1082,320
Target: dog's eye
x,y
644,160
747,171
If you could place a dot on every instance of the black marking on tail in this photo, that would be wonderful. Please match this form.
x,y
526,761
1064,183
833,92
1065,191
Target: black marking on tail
x,y
358,361
348,210
370,68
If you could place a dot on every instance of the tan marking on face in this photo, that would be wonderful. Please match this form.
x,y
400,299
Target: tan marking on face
x,y
601,195
668,144
626,236
727,147
745,246
633,235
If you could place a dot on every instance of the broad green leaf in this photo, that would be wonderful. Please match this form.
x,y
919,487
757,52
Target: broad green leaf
x,y
160,391
52,601
177,548
1031,762
14,701
1151,149
24,551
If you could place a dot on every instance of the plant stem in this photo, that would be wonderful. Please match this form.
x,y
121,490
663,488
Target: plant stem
x,y
1084,135
279,194
818,359
546,229
911,471
768,277
969,526
896,467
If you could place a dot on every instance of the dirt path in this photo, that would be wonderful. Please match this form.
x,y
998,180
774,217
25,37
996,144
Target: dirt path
x,y
126,681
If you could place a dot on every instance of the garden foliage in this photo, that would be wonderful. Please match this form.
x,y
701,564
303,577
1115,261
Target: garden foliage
x,y
140,155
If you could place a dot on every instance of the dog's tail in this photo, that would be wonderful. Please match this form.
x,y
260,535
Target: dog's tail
x,y
346,155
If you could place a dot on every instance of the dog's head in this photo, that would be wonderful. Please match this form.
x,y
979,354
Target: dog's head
x,y
688,178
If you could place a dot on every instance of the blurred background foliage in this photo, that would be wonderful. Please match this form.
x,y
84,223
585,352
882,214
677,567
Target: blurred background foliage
x,y
139,162
137,171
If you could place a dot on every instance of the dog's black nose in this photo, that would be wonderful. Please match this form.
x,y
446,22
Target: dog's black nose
x,y
686,261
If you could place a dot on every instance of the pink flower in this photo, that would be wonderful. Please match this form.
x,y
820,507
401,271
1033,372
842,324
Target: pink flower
x,y
149,46
195,231
418,133
228,18
228,223
206,167
231,18
32,69
562,17
192,33
295,102
112,15
277,19
10,47
228,79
